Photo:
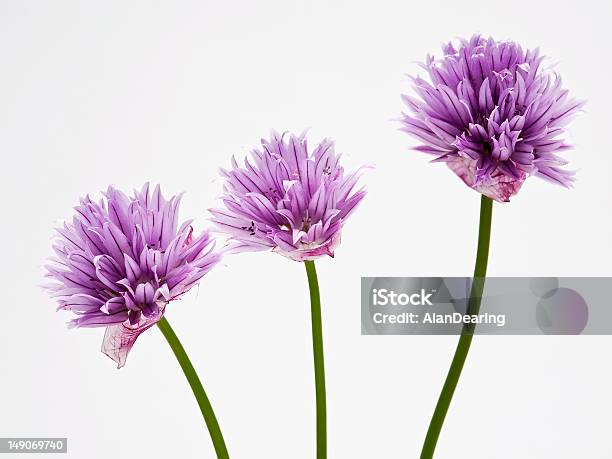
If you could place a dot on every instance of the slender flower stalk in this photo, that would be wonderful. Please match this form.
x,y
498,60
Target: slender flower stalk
x,y
465,340
294,203
319,364
118,265
198,390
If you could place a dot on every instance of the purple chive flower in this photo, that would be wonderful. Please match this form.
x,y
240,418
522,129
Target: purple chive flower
x,y
288,200
122,260
493,115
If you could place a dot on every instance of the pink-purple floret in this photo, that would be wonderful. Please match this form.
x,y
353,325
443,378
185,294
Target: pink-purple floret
x,y
493,114
287,199
121,260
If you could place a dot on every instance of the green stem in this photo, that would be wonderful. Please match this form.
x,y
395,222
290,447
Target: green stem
x,y
465,340
319,366
192,377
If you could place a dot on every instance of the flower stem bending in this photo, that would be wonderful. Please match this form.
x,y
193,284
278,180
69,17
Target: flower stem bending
x,y
319,366
465,340
192,377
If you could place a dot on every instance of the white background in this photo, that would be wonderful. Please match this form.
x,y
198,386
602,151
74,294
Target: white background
x,y
98,93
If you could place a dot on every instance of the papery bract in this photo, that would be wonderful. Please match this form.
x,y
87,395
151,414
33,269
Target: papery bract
x,y
121,260
493,114
287,199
